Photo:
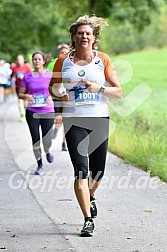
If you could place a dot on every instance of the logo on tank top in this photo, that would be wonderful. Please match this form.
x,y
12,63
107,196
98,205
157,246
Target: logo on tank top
x,y
81,73
97,62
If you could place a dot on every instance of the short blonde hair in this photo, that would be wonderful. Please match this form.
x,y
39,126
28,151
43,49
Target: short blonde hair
x,y
94,22
62,46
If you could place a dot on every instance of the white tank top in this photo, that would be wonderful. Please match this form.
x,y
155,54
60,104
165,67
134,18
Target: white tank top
x,y
83,103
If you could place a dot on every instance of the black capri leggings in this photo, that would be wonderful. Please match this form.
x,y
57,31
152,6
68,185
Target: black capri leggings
x,y
87,141
34,127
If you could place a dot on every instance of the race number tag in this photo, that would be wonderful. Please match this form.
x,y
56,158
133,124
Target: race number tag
x,y
83,97
20,75
39,100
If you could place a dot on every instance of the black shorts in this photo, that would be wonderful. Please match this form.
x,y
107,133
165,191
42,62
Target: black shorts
x,y
58,107
87,141
5,86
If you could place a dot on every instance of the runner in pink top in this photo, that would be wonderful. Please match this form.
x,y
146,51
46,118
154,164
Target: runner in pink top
x,y
36,85
40,108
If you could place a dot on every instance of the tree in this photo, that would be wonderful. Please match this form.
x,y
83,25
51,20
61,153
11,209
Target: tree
x,y
30,25
136,12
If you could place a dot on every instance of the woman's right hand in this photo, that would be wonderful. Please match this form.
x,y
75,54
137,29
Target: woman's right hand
x,y
29,97
65,96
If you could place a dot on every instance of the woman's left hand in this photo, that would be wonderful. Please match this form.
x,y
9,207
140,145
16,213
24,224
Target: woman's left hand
x,y
92,87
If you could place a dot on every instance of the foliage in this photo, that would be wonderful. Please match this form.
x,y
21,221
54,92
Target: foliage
x,y
124,37
136,12
30,25
26,24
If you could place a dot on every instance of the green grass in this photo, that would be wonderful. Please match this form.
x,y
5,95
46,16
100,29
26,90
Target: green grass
x,y
141,137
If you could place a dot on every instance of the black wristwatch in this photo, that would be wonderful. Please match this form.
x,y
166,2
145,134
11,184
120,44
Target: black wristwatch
x,y
101,90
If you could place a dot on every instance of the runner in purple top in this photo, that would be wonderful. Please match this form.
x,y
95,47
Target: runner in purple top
x,y
34,90
36,85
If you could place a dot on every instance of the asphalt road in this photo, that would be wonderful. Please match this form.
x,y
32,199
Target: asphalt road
x,y
40,213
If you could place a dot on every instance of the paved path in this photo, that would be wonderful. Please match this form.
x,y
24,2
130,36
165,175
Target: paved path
x,y
40,213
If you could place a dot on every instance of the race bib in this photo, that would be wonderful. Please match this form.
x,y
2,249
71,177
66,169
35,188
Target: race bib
x,y
39,100
20,75
83,97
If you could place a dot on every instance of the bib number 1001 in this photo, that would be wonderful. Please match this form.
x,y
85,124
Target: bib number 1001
x,y
87,95
82,98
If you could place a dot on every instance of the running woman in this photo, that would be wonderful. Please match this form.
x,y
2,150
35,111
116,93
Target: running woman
x,y
89,78
34,89
18,71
